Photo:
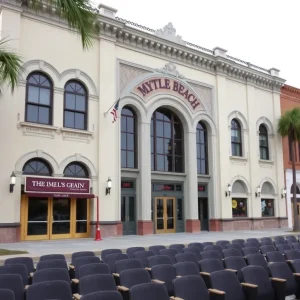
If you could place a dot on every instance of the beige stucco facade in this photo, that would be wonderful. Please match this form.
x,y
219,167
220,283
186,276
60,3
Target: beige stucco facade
x,y
122,59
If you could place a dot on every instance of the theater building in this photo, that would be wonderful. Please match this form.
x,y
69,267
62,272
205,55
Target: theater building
x,y
194,146
290,98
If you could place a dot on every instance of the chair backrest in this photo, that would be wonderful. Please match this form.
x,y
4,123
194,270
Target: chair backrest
x,y
228,282
106,252
232,252
104,295
250,250
279,238
296,246
85,260
27,261
111,260
291,239
186,268
143,256
217,248
93,269
49,290
96,283
238,241
13,282
81,254
222,243
283,247
295,265
267,248
51,275
133,277
257,260
266,241
204,244
183,257
236,263
16,269
178,247
165,273
211,265
169,252
52,264
52,256
194,250
198,245
253,241
257,275
131,250
234,246
211,254
155,248
159,260
275,256
292,254
149,291
280,242
282,270
128,264
7,294
188,286
251,245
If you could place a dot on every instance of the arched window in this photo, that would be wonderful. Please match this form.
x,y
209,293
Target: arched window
x,y
75,169
202,157
297,189
75,108
263,142
37,166
236,138
128,138
39,93
166,142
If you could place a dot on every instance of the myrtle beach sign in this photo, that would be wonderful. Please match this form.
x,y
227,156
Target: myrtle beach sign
x,y
151,86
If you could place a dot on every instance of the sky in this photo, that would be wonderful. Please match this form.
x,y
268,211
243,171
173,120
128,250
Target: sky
x,y
262,32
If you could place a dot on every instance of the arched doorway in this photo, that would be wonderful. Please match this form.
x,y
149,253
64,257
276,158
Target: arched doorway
x,y
47,215
167,158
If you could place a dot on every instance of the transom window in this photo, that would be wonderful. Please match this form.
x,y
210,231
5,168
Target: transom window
x,y
263,142
166,142
128,138
38,99
76,169
75,110
236,138
202,157
37,166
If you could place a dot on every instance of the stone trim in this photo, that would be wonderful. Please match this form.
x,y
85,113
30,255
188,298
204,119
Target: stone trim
x,y
105,222
9,225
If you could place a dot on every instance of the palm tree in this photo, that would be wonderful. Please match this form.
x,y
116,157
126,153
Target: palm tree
x,y
79,14
289,126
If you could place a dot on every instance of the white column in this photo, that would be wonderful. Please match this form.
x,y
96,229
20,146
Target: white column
x,y
145,172
191,203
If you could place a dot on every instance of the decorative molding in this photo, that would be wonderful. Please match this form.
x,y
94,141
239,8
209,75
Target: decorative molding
x,y
39,130
170,69
266,163
265,121
168,32
239,116
238,160
205,95
76,135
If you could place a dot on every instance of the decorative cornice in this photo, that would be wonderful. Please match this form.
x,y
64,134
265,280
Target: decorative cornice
x,y
170,69
290,89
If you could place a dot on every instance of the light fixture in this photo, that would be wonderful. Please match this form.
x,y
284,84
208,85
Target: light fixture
x,y
12,182
283,192
228,191
108,186
257,193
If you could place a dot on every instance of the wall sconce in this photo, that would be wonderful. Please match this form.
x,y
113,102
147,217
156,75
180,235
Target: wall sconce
x,y
257,193
12,182
227,193
283,193
108,186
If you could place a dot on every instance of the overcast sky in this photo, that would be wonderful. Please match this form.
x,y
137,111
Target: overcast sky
x,y
263,32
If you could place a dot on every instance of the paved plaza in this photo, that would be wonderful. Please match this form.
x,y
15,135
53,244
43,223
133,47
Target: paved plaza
x,y
67,247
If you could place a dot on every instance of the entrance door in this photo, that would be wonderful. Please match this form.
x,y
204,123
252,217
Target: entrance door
x,y
54,218
128,215
203,213
165,215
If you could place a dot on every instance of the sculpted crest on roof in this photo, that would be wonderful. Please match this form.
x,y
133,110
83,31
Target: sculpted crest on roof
x,y
168,32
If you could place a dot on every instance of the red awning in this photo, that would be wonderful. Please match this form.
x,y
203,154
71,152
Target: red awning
x,y
56,195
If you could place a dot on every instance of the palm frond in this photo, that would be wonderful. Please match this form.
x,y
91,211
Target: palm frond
x,y
79,14
10,65
289,124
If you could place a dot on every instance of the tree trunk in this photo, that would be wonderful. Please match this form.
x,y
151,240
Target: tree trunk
x,y
296,219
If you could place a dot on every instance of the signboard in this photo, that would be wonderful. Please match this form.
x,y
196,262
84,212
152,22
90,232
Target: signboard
x,y
201,188
164,187
57,186
127,185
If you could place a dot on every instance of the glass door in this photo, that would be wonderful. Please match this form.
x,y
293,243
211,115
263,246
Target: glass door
x,y
128,214
81,226
165,221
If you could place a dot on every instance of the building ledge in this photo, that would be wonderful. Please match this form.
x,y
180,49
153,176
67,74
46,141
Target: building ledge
x,y
238,160
76,135
35,129
266,162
